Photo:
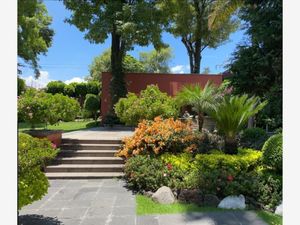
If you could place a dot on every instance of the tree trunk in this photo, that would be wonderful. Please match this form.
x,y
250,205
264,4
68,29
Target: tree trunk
x,y
197,57
117,84
200,121
231,146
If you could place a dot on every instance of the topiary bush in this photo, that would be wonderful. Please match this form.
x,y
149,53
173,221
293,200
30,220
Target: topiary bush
x,y
157,137
33,155
92,104
149,104
272,153
253,138
55,87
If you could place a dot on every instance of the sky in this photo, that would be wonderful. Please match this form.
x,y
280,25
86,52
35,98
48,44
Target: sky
x,y
70,55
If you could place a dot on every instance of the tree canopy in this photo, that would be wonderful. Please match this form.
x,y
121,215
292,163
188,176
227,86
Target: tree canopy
x,y
156,61
200,24
257,64
34,32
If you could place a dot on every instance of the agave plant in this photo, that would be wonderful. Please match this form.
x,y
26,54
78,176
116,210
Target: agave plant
x,y
231,116
202,100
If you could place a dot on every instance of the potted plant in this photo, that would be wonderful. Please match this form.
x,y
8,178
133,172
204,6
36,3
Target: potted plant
x,y
37,107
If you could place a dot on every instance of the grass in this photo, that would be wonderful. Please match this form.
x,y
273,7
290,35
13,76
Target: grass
x,y
270,218
145,206
65,126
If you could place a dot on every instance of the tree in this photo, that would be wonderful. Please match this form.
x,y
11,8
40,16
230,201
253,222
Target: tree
x,y
231,116
203,100
200,24
93,87
34,34
127,24
80,91
256,65
55,87
156,61
206,70
92,104
102,63
21,86
69,90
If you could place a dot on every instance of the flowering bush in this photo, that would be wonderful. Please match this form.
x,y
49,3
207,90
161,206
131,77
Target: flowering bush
x,y
159,136
33,155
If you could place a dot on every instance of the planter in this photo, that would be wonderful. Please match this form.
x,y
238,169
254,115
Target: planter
x,y
52,135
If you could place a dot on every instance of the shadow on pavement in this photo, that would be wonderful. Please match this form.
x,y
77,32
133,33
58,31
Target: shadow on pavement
x,y
34,219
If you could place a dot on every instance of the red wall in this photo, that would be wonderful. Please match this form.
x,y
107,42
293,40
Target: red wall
x,y
169,83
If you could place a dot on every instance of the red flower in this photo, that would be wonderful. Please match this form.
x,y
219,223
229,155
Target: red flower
x,y
169,166
53,145
230,178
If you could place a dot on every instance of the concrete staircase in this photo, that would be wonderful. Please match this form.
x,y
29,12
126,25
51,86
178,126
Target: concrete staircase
x,y
86,159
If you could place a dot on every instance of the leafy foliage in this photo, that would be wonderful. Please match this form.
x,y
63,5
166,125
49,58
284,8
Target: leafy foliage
x,y
69,90
33,154
21,86
257,64
55,87
34,32
253,138
150,104
232,114
156,61
272,152
158,136
202,100
92,104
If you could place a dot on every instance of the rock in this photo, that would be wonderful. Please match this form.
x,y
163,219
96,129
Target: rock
x,y
279,210
211,200
233,202
148,193
190,196
164,195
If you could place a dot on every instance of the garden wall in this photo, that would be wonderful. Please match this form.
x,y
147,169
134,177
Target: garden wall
x,y
169,83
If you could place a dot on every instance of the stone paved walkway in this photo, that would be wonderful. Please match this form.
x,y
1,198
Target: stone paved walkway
x,y
108,202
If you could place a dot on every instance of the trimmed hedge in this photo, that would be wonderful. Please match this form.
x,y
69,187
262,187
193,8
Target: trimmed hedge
x,y
272,153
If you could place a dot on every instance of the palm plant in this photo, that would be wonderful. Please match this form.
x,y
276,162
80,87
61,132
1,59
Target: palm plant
x,y
232,114
202,100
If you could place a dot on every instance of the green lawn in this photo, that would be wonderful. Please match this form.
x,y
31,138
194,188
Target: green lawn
x,y
270,218
145,205
65,126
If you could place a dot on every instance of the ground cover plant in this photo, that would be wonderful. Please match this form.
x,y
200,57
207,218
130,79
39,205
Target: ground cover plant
x,y
33,155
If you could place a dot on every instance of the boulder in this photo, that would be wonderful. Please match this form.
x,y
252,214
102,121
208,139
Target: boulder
x,y
211,200
190,196
278,210
164,195
233,202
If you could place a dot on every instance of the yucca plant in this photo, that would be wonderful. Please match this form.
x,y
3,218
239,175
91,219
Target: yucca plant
x,y
231,116
202,100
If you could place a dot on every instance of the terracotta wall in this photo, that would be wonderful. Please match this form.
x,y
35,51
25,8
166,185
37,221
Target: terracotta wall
x,y
169,83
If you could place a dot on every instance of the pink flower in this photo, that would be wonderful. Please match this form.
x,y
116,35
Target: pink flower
x,y
169,166
230,178
53,145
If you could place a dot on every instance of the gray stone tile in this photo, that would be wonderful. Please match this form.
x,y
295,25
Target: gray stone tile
x,y
124,220
124,211
78,204
34,205
171,219
86,194
49,212
65,194
94,221
70,221
147,220
125,200
99,212
27,212
103,202
73,213
58,183
54,204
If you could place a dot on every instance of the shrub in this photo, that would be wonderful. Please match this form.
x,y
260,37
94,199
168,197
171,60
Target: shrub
x,y
253,138
272,152
157,137
150,104
207,141
149,173
269,189
33,155
55,87
93,87
69,90
92,104
223,175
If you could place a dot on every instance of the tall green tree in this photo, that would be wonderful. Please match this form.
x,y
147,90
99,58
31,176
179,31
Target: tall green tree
x,y
256,65
157,61
34,32
128,22
200,24
102,63
55,87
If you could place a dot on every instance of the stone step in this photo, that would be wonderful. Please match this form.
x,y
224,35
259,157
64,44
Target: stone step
x,y
88,160
69,146
85,168
90,141
88,175
87,153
